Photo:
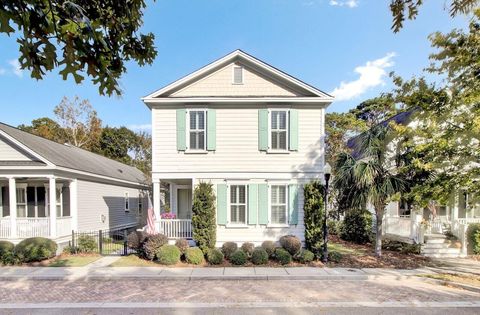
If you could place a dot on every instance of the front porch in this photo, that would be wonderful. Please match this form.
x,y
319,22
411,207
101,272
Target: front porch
x,y
26,209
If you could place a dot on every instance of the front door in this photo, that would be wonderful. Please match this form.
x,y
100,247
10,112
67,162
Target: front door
x,y
184,206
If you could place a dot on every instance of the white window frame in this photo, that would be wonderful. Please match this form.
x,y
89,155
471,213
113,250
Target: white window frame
x,y
57,203
190,150
229,204
24,187
287,205
287,125
126,202
233,75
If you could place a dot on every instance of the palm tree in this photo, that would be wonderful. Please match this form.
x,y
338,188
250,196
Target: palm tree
x,y
367,176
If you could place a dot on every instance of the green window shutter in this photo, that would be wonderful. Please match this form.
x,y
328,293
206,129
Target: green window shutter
x,y
293,130
211,129
222,204
262,204
293,204
252,203
263,129
181,130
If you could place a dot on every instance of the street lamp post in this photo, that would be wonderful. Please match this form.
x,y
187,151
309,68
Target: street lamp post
x,y
326,171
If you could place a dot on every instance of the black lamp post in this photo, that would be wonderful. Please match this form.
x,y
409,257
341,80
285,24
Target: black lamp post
x,y
326,171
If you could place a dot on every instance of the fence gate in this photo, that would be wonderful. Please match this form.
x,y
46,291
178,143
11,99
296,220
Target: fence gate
x,y
102,242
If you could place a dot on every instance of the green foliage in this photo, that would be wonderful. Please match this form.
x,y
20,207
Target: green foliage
x,y
94,38
473,236
152,244
204,217
136,239
168,254
7,256
403,248
357,226
238,258
194,255
35,249
215,256
334,227
228,248
304,256
313,208
182,245
335,256
375,110
291,244
46,128
248,248
269,247
282,256
259,256
87,244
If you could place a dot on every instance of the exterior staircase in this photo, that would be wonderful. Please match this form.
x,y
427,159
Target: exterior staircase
x,y
438,246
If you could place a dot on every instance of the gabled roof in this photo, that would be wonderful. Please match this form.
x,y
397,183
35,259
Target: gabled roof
x,y
73,158
240,56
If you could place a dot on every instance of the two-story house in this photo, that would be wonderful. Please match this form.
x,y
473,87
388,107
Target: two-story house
x,y
253,131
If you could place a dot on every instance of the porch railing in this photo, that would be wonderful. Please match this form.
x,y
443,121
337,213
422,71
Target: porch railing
x,y
176,228
33,227
5,228
64,226
398,226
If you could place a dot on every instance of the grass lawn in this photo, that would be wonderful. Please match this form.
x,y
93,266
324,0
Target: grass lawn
x,y
463,279
72,261
133,261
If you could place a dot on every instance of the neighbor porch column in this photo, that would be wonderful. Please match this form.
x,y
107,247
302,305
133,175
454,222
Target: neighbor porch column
x,y
73,204
156,199
52,198
12,194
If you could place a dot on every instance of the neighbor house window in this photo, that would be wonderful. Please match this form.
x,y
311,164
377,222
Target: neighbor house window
x,y
58,201
140,204
197,130
238,204
278,129
21,202
278,204
127,202
237,75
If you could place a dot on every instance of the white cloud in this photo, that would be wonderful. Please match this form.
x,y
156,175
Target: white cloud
x,y
344,3
371,75
16,69
144,127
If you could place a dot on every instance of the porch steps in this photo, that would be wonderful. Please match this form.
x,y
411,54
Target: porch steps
x,y
438,246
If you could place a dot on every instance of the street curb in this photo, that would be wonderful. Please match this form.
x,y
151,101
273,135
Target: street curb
x,y
450,283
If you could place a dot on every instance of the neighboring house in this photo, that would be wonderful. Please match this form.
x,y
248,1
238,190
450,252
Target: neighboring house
x,y
90,192
428,226
253,131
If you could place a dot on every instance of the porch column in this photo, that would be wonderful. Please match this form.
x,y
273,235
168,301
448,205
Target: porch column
x,y
52,198
73,204
156,199
12,194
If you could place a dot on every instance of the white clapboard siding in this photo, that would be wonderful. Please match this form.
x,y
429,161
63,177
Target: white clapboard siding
x,y
8,152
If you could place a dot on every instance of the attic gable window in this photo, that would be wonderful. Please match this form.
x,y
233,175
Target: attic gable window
x,y
237,75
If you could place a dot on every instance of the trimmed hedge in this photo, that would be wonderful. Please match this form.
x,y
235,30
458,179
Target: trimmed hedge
x,y
238,258
228,248
269,247
283,256
357,226
259,256
304,256
194,255
35,249
168,255
152,245
204,222
7,256
291,244
215,256
248,248
87,244
473,236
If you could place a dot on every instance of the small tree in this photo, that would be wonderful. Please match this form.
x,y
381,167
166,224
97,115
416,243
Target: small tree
x,y
203,217
313,209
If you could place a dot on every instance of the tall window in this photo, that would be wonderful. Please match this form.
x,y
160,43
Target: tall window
x,y
238,204
278,129
127,202
21,202
140,204
278,204
237,75
197,129
58,201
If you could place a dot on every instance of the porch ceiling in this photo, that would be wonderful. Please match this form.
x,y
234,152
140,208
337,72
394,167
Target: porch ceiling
x,y
183,181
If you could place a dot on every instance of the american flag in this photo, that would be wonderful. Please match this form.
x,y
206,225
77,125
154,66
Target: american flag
x,y
151,229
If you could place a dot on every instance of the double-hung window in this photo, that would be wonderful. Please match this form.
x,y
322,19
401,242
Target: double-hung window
x,y
238,204
127,202
278,204
279,129
197,129
22,202
140,204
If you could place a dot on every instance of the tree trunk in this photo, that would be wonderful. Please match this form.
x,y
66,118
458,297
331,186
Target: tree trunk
x,y
378,239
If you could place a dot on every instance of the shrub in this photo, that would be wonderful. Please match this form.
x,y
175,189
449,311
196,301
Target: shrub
x,y
404,248
333,227
87,244
473,236
259,256
215,256
283,256
334,256
357,226
304,256
194,255
135,239
152,244
291,244
228,248
168,255
6,253
182,245
238,258
269,247
313,209
35,249
204,223
248,248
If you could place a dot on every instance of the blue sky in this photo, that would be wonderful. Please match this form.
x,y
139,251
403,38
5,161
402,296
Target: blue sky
x,y
341,46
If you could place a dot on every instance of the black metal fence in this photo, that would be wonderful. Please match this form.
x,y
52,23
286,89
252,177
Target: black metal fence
x,y
112,242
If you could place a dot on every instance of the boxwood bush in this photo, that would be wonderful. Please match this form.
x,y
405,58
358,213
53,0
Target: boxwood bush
x,y
87,244
282,256
194,255
248,248
35,249
304,256
357,226
259,256
291,244
215,256
152,244
238,258
269,247
473,237
6,253
168,255
228,248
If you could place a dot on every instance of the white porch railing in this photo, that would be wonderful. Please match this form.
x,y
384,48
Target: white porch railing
x,y
176,228
5,230
398,226
64,226
33,227
468,220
